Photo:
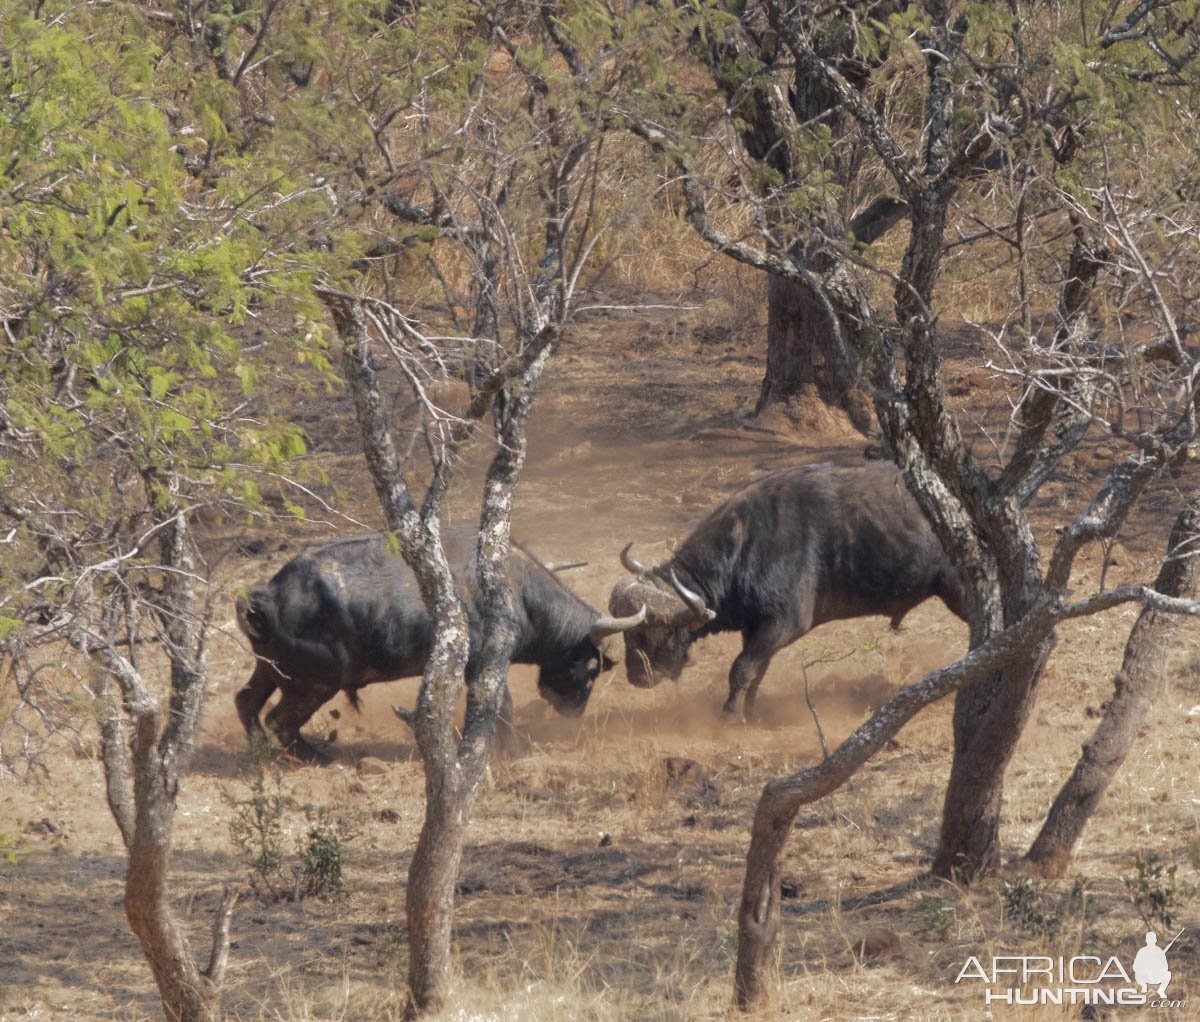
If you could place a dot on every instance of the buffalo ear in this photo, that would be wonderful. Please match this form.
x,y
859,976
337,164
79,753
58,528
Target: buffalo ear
x,y
250,618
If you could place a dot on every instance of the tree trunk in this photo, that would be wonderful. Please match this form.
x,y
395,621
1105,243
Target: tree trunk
x,y
806,362
803,362
430,893
429,905
144,762
453,784
810,357
187,995
758,915
454,766
1138,685
989,717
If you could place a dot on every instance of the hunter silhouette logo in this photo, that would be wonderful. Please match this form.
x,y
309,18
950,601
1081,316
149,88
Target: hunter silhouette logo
x,y
1150,965
1082,979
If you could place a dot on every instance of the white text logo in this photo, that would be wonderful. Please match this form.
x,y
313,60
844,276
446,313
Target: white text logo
x,y
1082,979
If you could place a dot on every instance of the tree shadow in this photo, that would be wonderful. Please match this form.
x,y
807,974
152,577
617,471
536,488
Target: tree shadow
x,y
893,892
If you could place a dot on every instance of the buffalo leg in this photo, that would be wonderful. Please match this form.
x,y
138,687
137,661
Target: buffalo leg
x,y
292,712
758,647
253,696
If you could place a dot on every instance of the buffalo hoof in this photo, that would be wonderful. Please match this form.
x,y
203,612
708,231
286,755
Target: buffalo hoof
x,y
734,718
303,751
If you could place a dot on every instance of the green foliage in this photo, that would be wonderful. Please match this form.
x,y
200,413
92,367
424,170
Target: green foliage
x,y
257,830
130,282
256,827
323,859
1027,905
937,916
1021,898
12,849
1156,891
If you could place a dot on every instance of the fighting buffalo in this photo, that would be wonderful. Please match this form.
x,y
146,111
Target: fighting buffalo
x,y
341,616
794,549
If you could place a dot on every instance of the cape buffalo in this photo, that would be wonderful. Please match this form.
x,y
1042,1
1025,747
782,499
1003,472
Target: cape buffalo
x,y
341,616
794,549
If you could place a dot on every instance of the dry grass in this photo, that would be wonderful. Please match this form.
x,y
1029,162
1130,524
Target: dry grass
x,y
602,882
603,874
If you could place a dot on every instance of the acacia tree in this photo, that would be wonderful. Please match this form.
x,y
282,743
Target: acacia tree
x,y
804,166
1025,142
465,140
1049,215
123,389
414,154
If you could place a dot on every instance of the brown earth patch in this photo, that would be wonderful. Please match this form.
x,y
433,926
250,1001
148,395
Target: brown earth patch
x,y
603,873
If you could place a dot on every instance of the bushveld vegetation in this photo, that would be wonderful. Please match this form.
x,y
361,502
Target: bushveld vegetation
x,y
213,212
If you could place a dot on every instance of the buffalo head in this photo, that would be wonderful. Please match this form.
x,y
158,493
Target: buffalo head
x,y
657,648
567,685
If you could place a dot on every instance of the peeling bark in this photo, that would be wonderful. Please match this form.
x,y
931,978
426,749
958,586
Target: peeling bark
x,y
454,766
430,890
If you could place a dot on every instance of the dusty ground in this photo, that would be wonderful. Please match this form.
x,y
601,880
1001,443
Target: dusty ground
x,y
602,877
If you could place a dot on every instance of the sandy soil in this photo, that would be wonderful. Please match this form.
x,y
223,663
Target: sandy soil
x,y
604,868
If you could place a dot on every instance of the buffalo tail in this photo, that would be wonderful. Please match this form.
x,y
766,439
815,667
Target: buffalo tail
x,y
254,614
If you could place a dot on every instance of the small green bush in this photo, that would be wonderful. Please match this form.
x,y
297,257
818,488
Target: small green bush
x,y
1156,891
12,849
1025,901
256,830
322,860
937,915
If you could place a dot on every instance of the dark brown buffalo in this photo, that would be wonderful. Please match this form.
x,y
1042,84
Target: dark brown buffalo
x,y
794,549
341,616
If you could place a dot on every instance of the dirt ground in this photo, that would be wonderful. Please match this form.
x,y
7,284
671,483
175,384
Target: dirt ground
x,y
603,873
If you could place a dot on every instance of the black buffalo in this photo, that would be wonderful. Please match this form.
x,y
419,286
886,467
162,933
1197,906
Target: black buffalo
x,y
341,616
794,549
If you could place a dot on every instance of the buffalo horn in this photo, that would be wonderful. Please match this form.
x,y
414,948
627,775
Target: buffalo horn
x,y
636,567
692,599
606,626
564,565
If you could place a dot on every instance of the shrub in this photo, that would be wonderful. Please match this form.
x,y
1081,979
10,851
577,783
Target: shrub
x,y
256,829
322,860
937,915
1025,903
1156,892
